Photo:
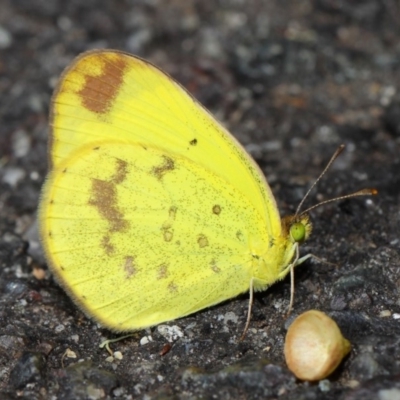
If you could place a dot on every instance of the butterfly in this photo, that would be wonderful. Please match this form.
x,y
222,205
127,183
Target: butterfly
x,y
151,210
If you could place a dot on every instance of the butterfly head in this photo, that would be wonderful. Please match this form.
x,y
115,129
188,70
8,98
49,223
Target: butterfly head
x,y
298,228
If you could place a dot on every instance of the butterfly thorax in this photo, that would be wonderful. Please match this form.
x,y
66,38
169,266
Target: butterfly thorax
x,y
275,261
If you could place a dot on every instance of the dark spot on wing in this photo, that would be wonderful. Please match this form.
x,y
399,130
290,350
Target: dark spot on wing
x,y
216,209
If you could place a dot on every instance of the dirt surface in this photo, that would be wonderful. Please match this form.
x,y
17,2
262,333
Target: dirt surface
x,y
292,80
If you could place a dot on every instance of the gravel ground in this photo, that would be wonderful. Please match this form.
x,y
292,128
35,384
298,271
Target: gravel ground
x,y
291,80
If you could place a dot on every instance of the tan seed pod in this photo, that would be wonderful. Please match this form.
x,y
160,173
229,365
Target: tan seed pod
x,y
314,346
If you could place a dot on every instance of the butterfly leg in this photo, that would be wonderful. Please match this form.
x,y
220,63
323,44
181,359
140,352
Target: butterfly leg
x,y
297,261
251,299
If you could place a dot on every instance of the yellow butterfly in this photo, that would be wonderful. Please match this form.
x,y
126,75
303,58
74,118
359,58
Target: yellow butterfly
x,y
151,210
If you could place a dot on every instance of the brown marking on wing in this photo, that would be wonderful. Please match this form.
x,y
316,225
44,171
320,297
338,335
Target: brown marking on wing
x,y
202,241
167,165
130,267
168,233
121,171
99,91
104,198
166,227
214,267
172,212
107,245
239,236
162,271
172,287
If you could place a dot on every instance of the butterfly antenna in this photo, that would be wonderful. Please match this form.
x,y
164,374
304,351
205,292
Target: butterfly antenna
x,y
333,158
362,192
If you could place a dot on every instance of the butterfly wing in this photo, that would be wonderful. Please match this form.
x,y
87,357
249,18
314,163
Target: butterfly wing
x,y
151,210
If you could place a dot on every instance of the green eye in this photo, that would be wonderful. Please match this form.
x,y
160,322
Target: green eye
x,y
298,232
